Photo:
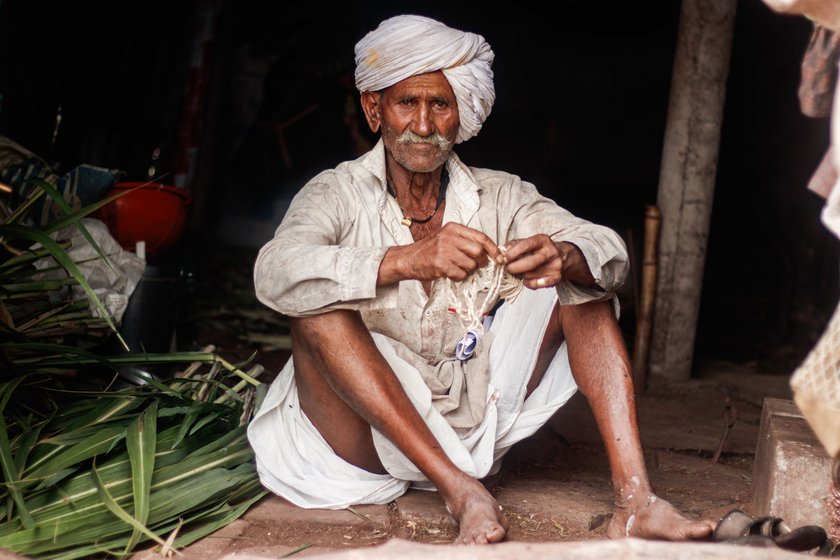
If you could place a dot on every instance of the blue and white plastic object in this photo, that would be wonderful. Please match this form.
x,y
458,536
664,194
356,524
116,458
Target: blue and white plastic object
x,y
466,346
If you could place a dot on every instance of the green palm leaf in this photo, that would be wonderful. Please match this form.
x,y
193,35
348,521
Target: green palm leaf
x,y
115,508
141,440
7,462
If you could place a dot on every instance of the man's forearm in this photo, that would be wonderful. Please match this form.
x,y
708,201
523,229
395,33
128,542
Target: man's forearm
x,y
390,269
575,267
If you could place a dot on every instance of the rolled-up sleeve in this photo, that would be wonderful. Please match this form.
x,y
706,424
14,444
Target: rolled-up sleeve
x,y
604,250
606,257
305,270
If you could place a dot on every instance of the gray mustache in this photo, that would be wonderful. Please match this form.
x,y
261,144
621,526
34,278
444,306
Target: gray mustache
x,y
435,139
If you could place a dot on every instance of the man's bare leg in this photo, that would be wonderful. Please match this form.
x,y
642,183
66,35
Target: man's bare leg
x,y
601,368
346,386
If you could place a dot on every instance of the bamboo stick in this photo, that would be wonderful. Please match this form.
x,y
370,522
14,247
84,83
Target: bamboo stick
x,y
644,314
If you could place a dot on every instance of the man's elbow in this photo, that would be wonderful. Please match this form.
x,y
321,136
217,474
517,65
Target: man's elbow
x,y
276,299
286,303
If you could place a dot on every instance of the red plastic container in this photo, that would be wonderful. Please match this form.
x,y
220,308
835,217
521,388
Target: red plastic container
x,y
150,212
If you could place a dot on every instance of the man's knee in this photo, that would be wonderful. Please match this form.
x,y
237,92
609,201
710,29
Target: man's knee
x,y
320,335
316,331
593,310
586,316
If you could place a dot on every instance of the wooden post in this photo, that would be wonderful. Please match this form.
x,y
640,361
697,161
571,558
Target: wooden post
x,y
687,180
644,316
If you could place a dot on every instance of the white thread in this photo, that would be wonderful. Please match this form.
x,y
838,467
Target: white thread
x,y
478,293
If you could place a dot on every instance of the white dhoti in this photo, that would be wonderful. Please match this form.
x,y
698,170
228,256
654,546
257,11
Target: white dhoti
x,y
295,462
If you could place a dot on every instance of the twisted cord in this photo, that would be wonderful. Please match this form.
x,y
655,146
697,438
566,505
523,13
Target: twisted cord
x,y
479,292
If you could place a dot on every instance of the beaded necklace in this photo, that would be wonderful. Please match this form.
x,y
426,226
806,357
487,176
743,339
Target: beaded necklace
x,y
407,220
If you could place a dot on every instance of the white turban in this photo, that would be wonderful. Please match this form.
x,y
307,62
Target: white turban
x,y
405,46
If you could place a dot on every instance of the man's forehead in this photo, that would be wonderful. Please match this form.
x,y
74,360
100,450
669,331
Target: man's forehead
x,y
434,81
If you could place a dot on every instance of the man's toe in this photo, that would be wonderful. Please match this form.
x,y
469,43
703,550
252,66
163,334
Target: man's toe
x,y
699,530
496,534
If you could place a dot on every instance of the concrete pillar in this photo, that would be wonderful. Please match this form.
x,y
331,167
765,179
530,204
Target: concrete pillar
x,y
687,180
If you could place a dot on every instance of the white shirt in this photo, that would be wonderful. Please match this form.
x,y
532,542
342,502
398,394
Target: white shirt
x,y
326,253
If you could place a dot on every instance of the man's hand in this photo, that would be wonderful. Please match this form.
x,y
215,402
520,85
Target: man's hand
x,y
452,252
542,263
537,260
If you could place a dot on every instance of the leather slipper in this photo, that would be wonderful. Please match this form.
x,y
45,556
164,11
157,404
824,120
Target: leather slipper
x,y
733,525
801,539
739,527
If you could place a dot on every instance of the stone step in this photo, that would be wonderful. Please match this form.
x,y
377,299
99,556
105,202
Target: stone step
x,y
792,470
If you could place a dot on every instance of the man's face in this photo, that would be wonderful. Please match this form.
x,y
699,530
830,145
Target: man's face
x,y
419,118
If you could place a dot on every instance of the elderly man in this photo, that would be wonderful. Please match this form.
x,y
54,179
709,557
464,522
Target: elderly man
x,y
388,266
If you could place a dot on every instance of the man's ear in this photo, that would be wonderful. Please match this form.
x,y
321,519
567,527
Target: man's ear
x,y
372,108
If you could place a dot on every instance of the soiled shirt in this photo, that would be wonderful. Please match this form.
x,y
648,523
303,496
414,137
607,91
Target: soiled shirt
x,y
326,253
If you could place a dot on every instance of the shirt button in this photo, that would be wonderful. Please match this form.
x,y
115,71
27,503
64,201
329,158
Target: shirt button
x,y
428,313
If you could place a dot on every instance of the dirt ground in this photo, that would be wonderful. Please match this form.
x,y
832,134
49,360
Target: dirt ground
x,y
554,486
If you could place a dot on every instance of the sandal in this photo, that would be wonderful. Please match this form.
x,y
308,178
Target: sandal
x,y
738,527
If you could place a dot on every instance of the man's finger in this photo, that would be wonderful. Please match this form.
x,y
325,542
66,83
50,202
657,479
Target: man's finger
x,y
541,282
487,245
528,262
471,248
519,247
461,264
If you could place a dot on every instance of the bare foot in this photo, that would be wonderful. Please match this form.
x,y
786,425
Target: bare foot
x,y
651,517
479,515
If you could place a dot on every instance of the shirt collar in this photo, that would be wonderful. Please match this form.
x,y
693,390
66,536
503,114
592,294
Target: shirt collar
x,y
463,187
374,162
